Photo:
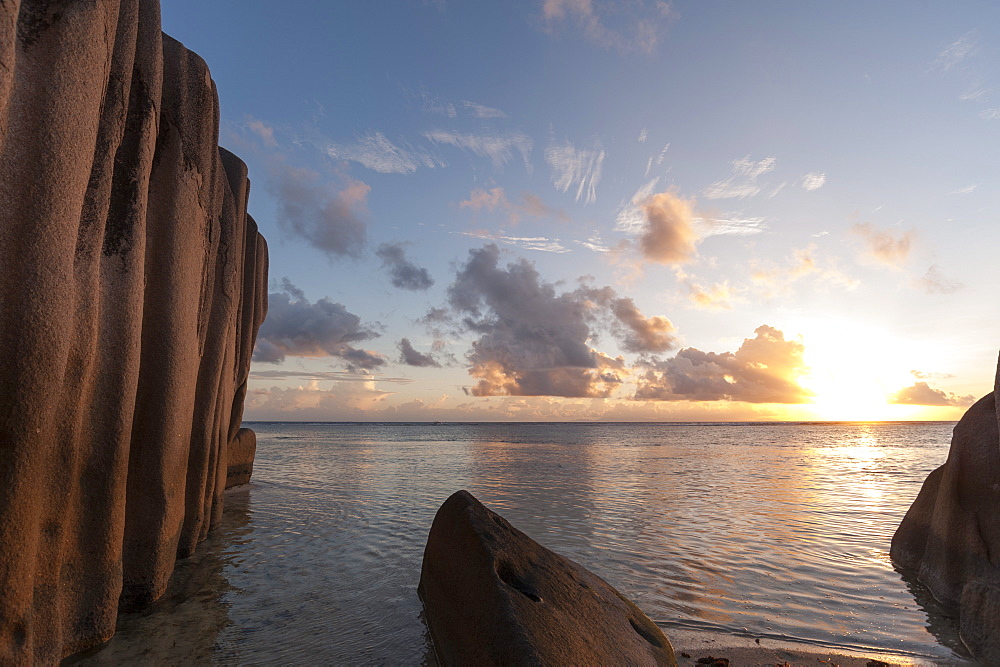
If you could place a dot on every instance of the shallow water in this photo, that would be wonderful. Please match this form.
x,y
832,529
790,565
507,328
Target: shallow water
x,y
763,530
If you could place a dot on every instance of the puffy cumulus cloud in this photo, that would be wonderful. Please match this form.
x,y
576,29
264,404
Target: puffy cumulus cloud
x,y
884,247
403,273
535,341
921,393
712,297
669,235
935,282
495,199
633,26
294,327
578,169
765,369
330,216
410,357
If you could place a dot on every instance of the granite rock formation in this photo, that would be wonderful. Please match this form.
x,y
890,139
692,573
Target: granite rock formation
x,y
241,452
494,596
950,537
132,285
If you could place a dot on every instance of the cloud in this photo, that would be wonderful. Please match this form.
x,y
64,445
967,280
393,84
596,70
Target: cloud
x,y
957,51
765,369
774,280
410,357
498,148
378,153
631,218
920,393
295,327
713,297
642,135
323,376
403,273
263,131
327,215
743,182
540,243
496,199
814,180
935,282
964,191
729,224
534,340
883,247
669,236
990,114
628,27
576,169
480,111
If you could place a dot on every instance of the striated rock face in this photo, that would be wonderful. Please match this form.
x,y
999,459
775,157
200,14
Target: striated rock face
x,y
132,284
241,451
950,536
494,596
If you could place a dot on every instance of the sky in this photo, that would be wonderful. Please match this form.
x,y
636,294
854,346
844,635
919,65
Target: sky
x,y
561,210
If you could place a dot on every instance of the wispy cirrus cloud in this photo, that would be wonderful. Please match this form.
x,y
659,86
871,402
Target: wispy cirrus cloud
x,y
743,182
482,111
935,282
263,131
498,148
376,152
629,27
540,243
576,169
957,52
814,180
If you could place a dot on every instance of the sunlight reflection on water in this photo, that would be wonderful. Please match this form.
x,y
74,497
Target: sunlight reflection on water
x,y
781,529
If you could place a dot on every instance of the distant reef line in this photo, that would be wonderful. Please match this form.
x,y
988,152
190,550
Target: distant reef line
x,y
132,286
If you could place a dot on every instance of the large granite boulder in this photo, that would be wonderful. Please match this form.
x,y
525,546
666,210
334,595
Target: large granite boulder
x,y
950,537
494,596
241,452
132,284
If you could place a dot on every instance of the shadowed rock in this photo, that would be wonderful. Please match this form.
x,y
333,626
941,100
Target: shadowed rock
x,y
494,596
241,452
132,284
950,536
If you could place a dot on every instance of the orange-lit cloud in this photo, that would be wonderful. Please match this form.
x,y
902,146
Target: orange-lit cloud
x,y
634,26
772,280
669,235
920,393
765,369
883,246
495,199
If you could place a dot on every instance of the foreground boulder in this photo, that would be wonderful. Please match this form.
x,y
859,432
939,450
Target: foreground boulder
x,y
132,285
494,596
241,452
950,537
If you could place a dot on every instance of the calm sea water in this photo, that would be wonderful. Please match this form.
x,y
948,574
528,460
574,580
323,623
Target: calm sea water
x,y
762,530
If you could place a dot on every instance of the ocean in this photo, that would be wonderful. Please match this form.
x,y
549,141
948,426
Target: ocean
x,y
762,530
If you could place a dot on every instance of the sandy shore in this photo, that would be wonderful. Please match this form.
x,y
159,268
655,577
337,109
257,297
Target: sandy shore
x,y
691,646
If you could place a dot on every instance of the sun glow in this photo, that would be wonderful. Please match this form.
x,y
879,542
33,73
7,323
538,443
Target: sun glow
x,y
855,369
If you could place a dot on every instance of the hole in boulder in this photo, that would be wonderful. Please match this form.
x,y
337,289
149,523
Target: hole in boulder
x,y
509,577
646,633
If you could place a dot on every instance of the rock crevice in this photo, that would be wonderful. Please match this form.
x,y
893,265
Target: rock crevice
x,y
132,285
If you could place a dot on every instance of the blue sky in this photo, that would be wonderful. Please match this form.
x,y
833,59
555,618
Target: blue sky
x,y
574,209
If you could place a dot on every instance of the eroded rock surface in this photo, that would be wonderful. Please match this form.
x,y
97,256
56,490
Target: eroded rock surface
x,y
950,536
494,596
132,284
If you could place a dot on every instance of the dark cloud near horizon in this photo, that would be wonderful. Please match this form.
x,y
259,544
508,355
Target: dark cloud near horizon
x,y
294,327
535,341
921,393
330,216
403,273
765,369
411,357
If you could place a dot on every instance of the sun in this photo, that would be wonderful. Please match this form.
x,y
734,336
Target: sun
x,y
855,369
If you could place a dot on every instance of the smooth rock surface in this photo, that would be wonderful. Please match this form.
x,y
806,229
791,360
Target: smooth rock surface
x,y
132,284
494,596
241,452
950,536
